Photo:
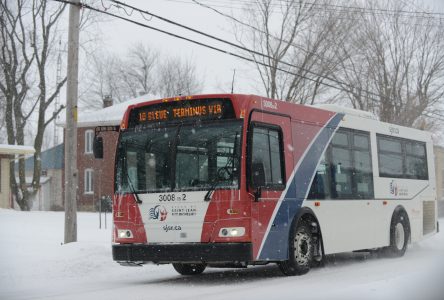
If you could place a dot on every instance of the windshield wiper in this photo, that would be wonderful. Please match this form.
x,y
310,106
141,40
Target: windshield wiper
x,y
133,190
211,190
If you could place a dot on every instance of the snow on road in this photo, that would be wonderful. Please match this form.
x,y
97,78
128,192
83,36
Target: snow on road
x,y
34,264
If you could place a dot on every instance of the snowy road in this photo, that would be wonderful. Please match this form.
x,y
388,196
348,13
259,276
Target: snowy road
x,y
35,265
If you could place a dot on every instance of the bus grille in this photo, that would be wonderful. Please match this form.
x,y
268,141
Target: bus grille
x,y
428,223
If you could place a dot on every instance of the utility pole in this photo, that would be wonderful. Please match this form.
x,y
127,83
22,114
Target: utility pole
x,y
71,177
57,99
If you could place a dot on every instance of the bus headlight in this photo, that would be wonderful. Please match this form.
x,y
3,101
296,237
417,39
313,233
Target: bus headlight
x,y
124,234
232,232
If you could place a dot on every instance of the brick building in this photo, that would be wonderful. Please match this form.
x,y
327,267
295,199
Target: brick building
x,y
96,176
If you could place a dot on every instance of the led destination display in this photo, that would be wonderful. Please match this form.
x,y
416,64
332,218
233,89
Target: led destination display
x,y
202,109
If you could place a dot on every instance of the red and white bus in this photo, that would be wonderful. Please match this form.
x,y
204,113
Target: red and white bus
x,y
237,180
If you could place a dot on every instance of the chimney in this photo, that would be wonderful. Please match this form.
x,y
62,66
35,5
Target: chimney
x,y
107,101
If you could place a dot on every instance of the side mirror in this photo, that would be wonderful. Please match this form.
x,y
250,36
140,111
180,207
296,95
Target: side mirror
x,y
98,147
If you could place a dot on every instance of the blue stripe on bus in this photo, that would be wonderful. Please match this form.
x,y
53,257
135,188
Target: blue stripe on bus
x,y
276,243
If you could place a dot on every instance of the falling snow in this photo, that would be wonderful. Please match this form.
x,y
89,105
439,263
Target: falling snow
x,y
35,264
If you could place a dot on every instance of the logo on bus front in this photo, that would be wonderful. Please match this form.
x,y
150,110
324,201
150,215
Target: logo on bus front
x,y
158,212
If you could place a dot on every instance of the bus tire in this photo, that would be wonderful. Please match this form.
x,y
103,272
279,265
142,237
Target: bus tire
x,y
399,234
189,269
301,249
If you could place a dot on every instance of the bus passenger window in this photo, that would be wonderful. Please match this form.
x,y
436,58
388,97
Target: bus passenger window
x,y
390,157
341,170
267,153
320,185
345,169
363,173
402,158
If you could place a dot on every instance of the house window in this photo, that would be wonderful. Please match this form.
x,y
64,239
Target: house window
x,y
89,189
89,137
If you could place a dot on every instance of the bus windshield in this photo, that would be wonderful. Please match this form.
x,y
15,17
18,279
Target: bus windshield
x,y
179,158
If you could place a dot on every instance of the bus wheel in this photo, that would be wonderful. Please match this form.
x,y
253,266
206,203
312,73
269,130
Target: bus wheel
x,y
301,249
189,269
399,234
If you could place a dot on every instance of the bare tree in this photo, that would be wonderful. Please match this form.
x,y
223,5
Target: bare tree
x,y
298,39
16,61
140,71
121,77
44,25
27,34
395,63
103,80
178,77
2,118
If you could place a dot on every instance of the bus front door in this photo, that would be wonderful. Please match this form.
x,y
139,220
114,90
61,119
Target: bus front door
x,y
270,163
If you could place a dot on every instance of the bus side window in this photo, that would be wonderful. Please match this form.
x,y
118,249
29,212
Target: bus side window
x,y
402,158
320,188
345,169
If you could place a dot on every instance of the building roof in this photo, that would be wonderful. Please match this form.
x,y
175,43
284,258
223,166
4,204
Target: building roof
x,y
53,158
16,149
108,116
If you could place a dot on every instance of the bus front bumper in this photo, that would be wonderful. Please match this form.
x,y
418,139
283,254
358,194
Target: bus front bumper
x,y
127,254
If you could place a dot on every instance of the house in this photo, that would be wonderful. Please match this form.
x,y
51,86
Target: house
x,y
96,176
8,153
50,195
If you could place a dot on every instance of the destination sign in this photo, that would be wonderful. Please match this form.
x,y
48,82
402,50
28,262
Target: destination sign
x,y
200,109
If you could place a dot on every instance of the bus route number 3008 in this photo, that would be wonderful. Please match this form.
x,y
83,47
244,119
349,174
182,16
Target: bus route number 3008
x,y
172,197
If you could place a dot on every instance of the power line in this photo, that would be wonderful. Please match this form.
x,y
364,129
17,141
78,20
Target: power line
x,y
322,9
240,4
255,52
439,117
257,29
245,49
208,46
227,52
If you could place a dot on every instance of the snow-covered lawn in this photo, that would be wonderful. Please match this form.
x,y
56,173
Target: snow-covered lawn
x,y
34,264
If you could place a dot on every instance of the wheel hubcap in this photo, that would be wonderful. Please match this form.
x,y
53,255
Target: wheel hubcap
x,y
302,248
399,236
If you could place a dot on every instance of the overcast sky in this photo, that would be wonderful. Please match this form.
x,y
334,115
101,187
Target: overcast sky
x,y
216,69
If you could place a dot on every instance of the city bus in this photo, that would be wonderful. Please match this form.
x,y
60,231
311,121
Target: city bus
x,y
230,180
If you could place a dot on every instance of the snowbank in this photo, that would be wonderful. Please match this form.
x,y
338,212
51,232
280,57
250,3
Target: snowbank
x,y
35,264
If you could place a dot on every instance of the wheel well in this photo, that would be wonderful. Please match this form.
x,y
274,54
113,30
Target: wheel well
x,y
309,217
400,209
